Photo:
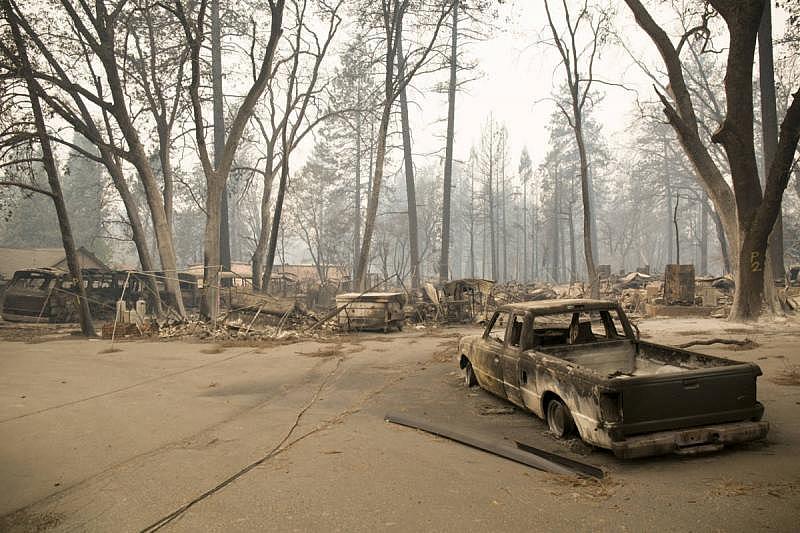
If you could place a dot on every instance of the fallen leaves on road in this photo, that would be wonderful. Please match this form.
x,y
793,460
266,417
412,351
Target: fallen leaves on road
x,y
586,487
790,375
486,410
323,352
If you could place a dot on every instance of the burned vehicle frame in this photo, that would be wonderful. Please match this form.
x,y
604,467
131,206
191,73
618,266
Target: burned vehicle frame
x,y
578,365
50,294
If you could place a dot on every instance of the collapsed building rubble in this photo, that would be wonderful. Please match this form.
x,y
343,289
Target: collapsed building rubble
x,y
304,306
457,301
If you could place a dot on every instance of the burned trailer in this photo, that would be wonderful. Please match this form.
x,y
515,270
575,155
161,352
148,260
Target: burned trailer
x,y
370,311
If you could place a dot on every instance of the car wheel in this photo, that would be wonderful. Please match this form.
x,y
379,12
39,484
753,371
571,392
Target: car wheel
x,y
469,375
559,419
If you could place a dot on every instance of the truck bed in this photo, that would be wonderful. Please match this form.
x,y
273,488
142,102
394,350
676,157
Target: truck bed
x,y
660,388
625,359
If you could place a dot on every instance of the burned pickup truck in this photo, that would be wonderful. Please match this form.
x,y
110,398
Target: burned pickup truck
x,y
578,365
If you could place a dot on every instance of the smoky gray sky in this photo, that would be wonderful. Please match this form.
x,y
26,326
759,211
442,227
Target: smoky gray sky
x,y
520,75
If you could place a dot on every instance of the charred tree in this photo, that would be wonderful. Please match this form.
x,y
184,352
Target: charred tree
x,y
54,85
296,105
408,165
216,176
357,188
390,16
579,84
218,115
769,129
556,252
444,259
747,214
48,161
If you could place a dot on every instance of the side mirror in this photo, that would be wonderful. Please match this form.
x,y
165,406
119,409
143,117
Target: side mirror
x,y
638,333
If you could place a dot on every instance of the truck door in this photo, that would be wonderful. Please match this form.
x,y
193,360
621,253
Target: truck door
x,y
489,367
510,358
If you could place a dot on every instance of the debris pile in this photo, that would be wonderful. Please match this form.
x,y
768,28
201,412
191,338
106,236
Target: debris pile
x,y
633,301
239,329
247,323
457,301
634,280
128,329
514,292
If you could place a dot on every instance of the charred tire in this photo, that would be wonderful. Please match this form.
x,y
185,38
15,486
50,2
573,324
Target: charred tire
x,y
559,419
470,380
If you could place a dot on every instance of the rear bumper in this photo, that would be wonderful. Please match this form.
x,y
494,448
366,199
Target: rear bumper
x,y
689,441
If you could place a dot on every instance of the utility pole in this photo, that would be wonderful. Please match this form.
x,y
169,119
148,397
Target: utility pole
x,y
408,164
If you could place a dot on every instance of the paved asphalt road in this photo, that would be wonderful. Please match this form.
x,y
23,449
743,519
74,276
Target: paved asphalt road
x,y
95,441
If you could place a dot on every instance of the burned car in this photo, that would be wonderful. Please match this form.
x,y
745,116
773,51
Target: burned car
x,y
578,365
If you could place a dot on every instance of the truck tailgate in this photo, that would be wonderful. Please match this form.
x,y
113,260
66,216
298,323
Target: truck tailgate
x,y
686,399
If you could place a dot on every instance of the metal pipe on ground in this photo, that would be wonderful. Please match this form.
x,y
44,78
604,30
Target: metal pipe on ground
x,y
521,453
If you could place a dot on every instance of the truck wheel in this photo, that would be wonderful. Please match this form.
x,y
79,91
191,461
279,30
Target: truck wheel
x,y
559,419
469,376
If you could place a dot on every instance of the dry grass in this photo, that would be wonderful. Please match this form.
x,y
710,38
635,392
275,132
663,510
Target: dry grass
x,y
447,352
386,338
355,348
731,487
323,352
738,330
444,334
488,410
108,351
25,520
259,343
587,487
789,375
749,344
36,333
216,348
